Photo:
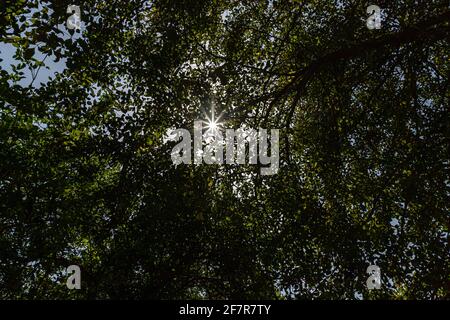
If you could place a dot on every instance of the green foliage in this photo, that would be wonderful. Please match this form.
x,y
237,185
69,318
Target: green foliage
x,y
86,177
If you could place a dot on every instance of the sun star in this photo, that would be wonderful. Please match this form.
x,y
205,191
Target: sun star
x,y
213,124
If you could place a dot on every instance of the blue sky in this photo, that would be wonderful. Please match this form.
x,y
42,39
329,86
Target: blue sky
x,y
7,52
51,68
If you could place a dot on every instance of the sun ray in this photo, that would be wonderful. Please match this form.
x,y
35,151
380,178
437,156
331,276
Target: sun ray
x,y
212,123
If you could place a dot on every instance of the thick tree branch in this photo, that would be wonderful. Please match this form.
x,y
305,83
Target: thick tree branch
x,y
430,30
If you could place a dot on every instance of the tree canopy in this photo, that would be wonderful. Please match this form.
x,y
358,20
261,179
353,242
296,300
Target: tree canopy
x,y
86,175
